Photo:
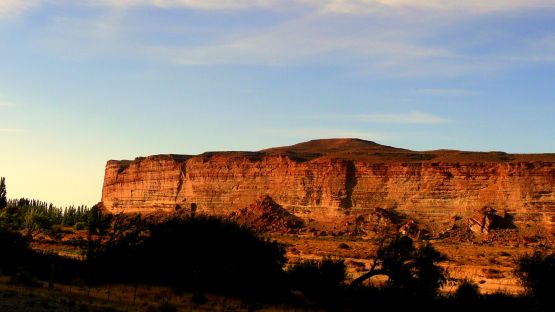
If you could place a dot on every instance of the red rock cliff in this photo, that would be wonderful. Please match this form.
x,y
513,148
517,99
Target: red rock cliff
x,y
327,179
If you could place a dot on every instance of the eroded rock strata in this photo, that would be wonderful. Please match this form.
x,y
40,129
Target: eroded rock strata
x,y
328,179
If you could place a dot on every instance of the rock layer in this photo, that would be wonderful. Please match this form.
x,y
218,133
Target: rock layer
x,y
328,179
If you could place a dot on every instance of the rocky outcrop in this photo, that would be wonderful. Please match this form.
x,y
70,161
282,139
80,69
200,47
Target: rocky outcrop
x,y
266,215
328,179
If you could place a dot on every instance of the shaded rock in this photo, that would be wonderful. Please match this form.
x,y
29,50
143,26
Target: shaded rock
x,y
486,219
410,229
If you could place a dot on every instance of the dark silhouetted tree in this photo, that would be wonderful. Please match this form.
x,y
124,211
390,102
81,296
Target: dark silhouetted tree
x,y
428,275
110,252
410,270
98,225
536,272
3,193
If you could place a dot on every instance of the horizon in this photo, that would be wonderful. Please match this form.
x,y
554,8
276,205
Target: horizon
x,y
83,83
65,205
325,139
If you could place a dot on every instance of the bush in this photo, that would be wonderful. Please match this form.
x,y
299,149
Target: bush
x,y
80,226
14,251
536,272
56,229
25,277
164,306
320,281
200,253
18,260
467,291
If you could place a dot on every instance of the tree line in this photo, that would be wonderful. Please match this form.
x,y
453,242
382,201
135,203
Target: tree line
x,y
67,216
35,216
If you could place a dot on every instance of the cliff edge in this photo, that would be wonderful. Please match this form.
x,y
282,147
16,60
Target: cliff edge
x,y
327,180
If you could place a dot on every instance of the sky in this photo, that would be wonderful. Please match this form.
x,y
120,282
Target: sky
x,y
82,82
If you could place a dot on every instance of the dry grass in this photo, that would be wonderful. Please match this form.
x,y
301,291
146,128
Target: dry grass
x,y
488,265
357,149
14,298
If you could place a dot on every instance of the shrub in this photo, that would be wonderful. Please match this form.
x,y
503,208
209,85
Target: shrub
x,y
14,251
467,291
196,254
80,226
320,281
25,277
56,228
164,306
536,272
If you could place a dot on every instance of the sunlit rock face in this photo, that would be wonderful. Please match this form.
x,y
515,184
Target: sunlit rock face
x,y
329,179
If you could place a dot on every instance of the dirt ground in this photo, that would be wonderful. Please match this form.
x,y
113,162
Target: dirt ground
x,y
489,265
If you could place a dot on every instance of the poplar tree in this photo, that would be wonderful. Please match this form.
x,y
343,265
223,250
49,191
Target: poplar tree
x,y
3,199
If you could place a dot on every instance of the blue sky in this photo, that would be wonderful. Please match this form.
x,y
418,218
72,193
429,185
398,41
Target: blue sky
x,y
82,82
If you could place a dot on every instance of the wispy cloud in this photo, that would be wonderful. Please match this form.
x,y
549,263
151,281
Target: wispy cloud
x,y
446,92
197,4
296,41
394,44
274,47
75,37
417,118
537,51
340,6
474,6
13,8
314,133
306,41
399,41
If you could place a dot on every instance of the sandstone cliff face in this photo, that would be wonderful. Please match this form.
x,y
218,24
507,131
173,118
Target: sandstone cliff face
x,y
325,180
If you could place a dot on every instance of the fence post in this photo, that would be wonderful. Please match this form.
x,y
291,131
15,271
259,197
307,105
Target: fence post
x,y
135,293
51,280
